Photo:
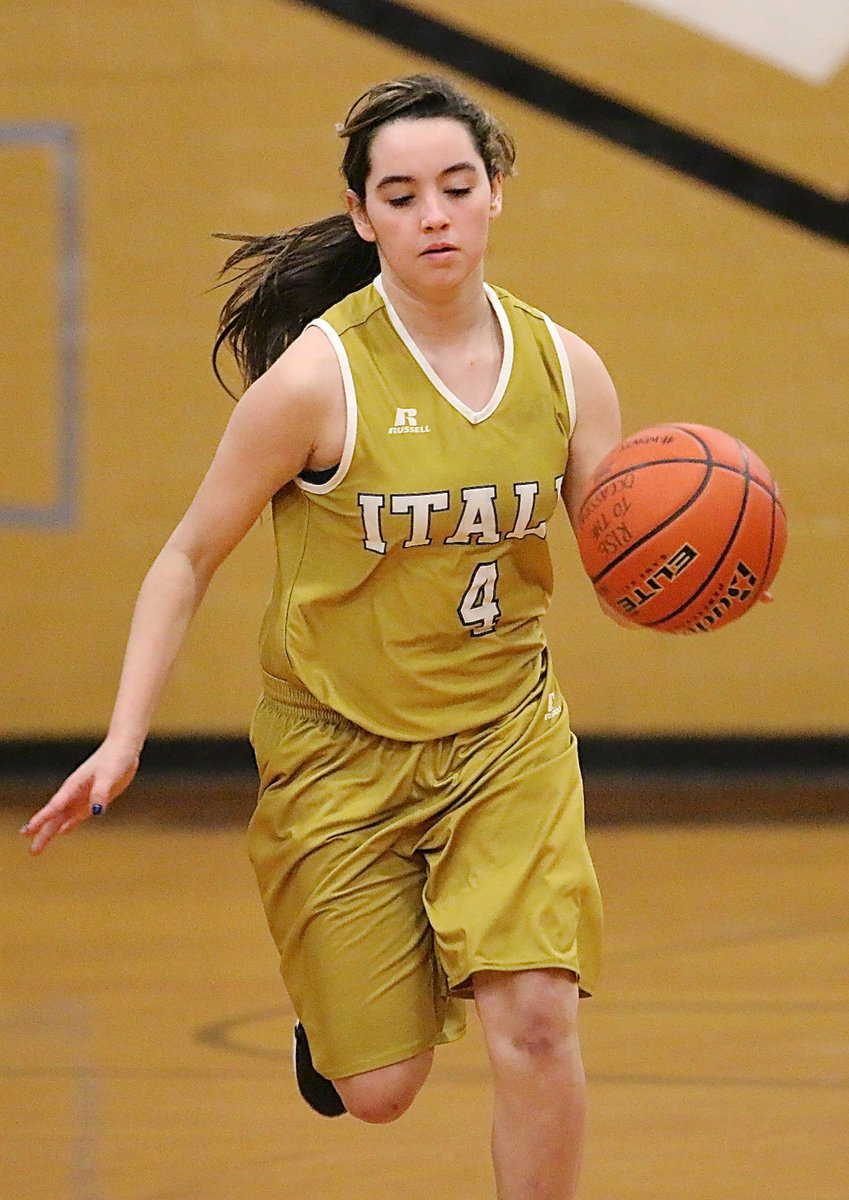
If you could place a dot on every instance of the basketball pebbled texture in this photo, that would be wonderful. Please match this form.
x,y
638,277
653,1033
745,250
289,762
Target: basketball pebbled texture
x,y
681,528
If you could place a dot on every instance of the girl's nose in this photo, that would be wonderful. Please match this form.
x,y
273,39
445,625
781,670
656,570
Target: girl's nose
x,y
433,214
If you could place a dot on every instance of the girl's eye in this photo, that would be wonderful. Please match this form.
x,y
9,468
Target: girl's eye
x,y
400,201
462,191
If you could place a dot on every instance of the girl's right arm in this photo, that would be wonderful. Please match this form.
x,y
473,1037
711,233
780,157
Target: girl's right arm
x,y
291,418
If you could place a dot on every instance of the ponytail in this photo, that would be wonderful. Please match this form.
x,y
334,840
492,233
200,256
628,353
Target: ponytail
x,y
283,281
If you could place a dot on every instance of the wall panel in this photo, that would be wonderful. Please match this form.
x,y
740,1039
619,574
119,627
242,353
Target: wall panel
x,y
192,118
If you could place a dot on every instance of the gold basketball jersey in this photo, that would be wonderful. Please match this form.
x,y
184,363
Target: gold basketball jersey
x,y
410,585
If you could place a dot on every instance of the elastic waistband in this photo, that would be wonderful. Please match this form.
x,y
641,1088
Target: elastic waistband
x,y
297,699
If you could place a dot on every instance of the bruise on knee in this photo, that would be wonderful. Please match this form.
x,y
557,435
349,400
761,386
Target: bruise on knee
x,y
530,1017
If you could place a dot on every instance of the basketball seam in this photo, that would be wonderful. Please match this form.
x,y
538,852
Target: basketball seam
x,y
707,462
744,504
776,504
690,432
698,462
703,462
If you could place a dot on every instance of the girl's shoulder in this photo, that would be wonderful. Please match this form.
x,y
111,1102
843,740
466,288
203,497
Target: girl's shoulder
x,y
354,309
307,370
539,324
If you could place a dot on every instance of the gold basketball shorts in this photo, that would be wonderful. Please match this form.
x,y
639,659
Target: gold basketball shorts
x,y
392,871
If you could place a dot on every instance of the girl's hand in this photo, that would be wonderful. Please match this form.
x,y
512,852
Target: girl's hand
x,y
615,614
91,788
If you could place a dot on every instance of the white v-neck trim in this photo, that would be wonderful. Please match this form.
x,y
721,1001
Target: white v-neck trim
x,y
471,415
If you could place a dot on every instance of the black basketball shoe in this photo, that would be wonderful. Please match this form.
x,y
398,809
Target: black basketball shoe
x,y
319,1093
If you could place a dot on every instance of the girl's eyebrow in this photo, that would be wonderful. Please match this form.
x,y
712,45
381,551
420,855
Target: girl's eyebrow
x,y
453,169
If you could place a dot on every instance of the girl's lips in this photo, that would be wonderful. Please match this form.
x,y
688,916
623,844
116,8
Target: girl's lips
x,y
440,248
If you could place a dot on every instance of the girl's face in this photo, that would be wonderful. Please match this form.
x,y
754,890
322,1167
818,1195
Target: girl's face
x,y
428,203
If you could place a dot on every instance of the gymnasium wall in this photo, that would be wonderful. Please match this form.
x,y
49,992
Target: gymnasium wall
x,y
130,131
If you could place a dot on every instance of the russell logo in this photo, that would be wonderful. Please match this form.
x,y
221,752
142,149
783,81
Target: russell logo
x,y
407,421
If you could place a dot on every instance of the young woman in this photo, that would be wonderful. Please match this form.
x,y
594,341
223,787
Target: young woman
x,y
419,833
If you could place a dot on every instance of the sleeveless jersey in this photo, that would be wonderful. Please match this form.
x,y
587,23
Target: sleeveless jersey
x,y
410,585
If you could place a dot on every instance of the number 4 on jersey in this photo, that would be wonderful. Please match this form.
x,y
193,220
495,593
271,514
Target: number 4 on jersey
x,y
479,610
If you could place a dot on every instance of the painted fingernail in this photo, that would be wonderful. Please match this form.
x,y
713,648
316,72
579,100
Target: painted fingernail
x,y
24,829
96,810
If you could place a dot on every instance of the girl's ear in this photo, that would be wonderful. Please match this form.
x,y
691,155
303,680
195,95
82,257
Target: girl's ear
x,y
357,211
496,195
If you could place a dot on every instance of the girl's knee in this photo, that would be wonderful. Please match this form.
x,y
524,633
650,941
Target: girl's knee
x,y
383,1095
529,1018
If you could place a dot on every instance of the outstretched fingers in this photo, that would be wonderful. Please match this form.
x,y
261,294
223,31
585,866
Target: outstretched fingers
x,y
87,792
66,809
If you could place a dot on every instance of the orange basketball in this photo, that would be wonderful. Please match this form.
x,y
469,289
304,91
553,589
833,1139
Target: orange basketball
x,y
681,528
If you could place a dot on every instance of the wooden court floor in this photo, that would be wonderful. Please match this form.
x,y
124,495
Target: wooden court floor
x,y
144,1040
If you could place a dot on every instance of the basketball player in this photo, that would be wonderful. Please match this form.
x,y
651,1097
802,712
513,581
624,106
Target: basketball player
x,y
419,833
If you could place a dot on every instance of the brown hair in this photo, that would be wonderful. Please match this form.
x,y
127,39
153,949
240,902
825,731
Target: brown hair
x,y
284,280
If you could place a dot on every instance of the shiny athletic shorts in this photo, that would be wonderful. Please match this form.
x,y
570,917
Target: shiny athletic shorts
x,y
392,871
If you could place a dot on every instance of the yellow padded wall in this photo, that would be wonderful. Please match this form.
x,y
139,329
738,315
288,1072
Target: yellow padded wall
x,y
190,118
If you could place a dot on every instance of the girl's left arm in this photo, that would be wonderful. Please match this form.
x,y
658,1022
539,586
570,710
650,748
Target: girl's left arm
x,y
598,427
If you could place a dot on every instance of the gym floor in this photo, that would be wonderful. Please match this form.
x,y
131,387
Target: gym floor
x,y
144,1036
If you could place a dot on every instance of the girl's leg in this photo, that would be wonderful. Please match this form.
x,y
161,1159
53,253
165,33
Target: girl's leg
x,y
383,1095
529,1020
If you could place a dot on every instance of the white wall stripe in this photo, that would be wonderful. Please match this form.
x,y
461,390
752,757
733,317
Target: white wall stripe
x,y
806,38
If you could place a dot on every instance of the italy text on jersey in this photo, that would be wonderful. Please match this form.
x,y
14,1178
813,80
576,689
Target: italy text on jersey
x,y
483,518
